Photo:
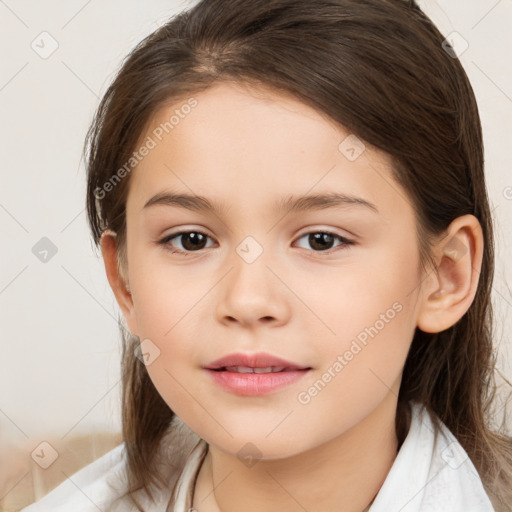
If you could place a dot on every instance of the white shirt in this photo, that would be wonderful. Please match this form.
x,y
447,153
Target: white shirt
x,y
429,474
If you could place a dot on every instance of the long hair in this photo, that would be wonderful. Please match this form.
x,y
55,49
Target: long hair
x,y
379,68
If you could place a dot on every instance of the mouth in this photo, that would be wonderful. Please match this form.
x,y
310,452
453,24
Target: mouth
x,y
249,381
254,374
260,362
249,369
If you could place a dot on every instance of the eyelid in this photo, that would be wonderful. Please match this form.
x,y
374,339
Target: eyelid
x,y
331,231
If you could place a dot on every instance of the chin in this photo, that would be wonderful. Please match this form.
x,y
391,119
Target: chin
x,y
254,446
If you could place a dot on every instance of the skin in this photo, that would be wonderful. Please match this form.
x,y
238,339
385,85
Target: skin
x,y
247,147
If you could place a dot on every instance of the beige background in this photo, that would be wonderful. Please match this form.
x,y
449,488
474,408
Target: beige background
x,y
59,373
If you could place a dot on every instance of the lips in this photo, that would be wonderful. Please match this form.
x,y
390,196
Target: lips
x,y
255,374
254,363
248,369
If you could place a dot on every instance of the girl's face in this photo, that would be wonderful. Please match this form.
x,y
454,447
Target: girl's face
x,y
262,277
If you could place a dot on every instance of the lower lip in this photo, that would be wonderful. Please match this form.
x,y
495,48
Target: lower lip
x,y
251,384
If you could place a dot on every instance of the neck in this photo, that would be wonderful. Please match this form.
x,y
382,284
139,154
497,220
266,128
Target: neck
x,y
344,474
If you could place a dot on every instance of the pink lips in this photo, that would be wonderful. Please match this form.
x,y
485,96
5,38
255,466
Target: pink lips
x,y
224,373
259,360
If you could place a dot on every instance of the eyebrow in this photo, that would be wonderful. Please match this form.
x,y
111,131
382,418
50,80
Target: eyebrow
x,y
289,203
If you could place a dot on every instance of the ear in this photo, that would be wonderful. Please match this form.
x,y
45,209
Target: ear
x,y
119,287
449,290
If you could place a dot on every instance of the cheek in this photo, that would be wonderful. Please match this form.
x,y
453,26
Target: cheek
x,y
368,317
164,293
348,299
361,364
168,308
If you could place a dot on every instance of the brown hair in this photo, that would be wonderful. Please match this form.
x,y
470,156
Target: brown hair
x,y
377,67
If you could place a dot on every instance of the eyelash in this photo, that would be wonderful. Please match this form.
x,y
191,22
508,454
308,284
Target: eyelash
x,y
165,241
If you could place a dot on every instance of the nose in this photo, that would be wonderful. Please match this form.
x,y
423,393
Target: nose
x,y
253,294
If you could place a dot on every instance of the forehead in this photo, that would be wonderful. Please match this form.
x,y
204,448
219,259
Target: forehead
x,y
240,143
237,117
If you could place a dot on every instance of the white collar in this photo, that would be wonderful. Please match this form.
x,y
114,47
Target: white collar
x,y
431,473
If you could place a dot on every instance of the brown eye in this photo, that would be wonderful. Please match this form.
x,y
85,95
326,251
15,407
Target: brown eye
x,y
191,241
322,241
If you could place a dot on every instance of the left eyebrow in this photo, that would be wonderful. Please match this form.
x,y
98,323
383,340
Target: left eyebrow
x,y
321,201
289,203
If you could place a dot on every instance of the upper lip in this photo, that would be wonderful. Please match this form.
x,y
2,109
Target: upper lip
x,y
259,360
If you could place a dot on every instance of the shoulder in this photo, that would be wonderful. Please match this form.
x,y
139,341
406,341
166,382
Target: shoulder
x,y
452,473
93,487
102,484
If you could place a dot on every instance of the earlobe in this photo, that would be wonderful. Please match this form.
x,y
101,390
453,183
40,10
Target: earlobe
x,y
450,289
120,288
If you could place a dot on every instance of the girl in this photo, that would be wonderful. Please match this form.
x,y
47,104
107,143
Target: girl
x,y
290,201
